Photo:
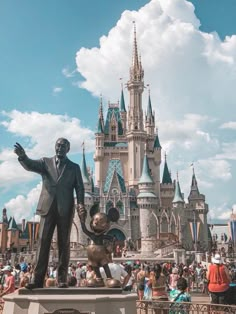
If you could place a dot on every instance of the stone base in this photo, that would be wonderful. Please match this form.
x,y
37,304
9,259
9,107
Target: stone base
x,y
72,301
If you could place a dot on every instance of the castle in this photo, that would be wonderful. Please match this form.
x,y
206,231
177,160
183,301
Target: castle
x,y
127,176
127,160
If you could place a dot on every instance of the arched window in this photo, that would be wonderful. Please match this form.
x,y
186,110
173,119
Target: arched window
x,y
164,224
120,207
109,204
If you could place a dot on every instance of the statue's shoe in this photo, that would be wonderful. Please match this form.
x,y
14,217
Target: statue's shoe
x,y
113,283
33,285
100,282
92,283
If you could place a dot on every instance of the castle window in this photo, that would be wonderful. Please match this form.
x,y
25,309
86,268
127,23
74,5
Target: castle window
x,y
120,207
109,204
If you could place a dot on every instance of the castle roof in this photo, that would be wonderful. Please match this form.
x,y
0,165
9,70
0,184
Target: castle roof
x,y
157,142
194,192
178,198
25,233
12,224
149,108
166,179
122,102
114,169
84,170
113,111
146,175
99,126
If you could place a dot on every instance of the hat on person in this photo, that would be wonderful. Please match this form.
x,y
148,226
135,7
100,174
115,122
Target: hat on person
x,y
217,259
175,271
7,268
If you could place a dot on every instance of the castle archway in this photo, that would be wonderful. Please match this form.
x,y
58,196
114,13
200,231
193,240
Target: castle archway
x,y
118,234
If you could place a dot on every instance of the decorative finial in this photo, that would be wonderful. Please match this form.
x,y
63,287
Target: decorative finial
x,y
121,82
83,145
148,86
177,175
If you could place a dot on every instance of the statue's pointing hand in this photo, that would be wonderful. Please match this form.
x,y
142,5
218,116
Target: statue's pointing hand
x,y
19,150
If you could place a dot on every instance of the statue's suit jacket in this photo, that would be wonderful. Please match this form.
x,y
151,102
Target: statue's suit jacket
x,y
60,187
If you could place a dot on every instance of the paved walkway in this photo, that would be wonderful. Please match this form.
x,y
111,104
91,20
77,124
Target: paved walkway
x,y
198,297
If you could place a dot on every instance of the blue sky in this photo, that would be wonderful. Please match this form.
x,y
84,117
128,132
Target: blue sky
x,y
57,57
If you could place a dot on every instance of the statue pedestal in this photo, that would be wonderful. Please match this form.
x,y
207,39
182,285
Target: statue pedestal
x,y
70,301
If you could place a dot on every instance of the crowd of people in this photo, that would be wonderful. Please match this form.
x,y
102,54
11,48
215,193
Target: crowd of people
x,y
151,281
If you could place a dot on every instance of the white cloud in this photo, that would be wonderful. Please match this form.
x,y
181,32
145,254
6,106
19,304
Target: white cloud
x,y
229,125
56,90
21,206
67,73
38,133
191,71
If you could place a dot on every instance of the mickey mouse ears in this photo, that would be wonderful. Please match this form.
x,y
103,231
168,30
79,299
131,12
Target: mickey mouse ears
x,y
113,214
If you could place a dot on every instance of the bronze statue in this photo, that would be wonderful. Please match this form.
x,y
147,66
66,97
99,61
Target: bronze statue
x,y
99,251
56,207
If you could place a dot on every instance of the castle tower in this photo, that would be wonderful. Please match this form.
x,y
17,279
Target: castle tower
x,y
136,135
99,149
198,211
167,187
147,202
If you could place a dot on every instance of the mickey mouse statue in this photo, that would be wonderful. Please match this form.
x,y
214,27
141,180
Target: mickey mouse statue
x,y
99,254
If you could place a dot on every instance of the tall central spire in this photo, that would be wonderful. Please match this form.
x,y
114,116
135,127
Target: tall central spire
x,y
136,70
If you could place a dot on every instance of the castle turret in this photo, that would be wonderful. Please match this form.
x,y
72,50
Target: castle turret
x,y
147,202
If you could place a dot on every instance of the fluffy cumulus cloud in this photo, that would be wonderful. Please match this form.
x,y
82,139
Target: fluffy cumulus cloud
x,y
188,70
21,206
38,139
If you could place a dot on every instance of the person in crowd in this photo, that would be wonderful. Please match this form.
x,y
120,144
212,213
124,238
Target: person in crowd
x,y
9,282
158,284
218,281
117,272
198,272
78,273
129,285
179,295
140,283
147,284
173,278
90,274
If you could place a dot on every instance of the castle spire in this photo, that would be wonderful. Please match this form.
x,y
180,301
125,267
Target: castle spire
x,y
84,170
122,101
146,175
166,179
136,71
194,192
149,107
178,198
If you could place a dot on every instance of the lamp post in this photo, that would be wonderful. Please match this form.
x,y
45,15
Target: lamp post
x,y
194,230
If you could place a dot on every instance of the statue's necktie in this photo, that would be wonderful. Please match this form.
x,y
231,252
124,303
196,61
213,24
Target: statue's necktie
x,y
60,165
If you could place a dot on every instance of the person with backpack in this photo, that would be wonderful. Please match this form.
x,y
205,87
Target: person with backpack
x,y
179,295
